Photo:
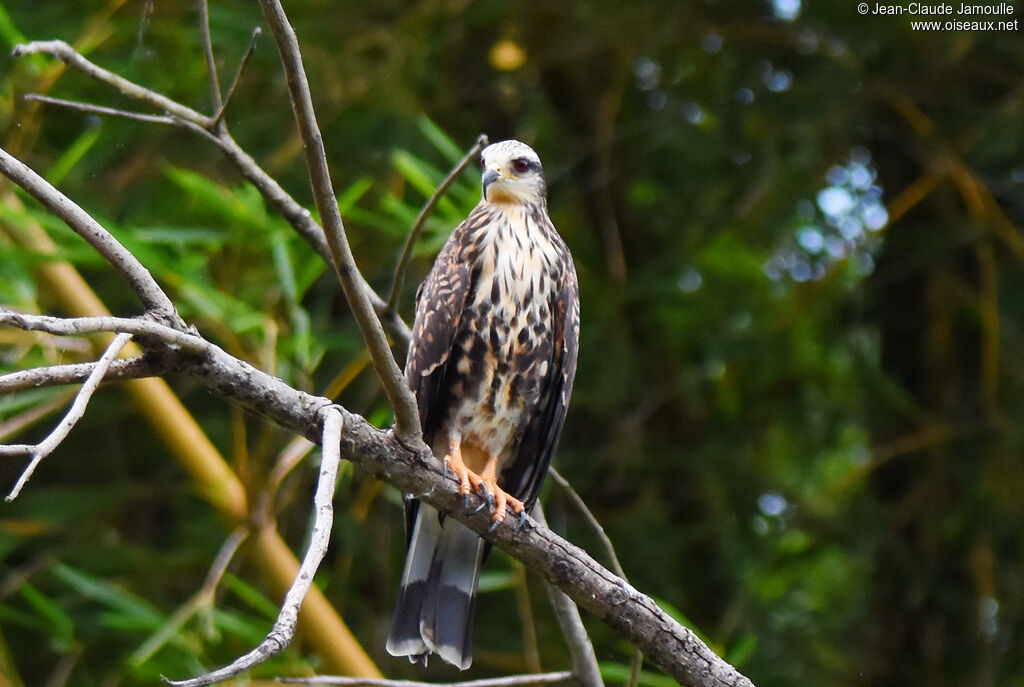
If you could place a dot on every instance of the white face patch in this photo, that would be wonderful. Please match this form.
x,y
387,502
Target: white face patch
x,y
512,174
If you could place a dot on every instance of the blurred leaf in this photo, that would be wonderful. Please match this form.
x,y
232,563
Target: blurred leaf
x,y
352,195
496,580
424,177
253,598
9,33
71,157
59,626
143,614
439,139
620,673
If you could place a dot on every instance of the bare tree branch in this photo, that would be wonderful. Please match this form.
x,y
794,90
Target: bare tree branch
x,y
95,325
74,414
634,615
407,421
76,373
138,277
284,627
512,681
417,227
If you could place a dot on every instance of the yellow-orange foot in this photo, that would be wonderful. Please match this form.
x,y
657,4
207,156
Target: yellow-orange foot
x,y
485,484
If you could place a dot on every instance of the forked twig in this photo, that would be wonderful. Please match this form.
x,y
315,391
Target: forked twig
x,y
294,213
284,627
70,57
417,227
74,414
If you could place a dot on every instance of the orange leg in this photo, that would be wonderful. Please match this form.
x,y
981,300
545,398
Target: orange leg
x,y
485,483
454,462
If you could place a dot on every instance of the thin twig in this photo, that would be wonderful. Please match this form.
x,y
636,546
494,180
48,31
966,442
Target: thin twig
x,y
67,54
219,116
417,227
638,658
581,506
284,627
96,325
216,101
76,373
510,681
74,414
407,422
584,661
201,599
101,110
120,258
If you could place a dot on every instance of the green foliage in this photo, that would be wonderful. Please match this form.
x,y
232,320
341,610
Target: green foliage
x,y
798,240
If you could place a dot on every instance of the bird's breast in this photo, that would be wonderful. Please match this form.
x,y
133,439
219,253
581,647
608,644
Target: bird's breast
x,y
502,350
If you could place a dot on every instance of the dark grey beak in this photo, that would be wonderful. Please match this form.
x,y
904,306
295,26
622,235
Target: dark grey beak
x,y
489,176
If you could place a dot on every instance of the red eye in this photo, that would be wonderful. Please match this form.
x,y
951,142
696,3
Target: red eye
x,y
520,164
482,165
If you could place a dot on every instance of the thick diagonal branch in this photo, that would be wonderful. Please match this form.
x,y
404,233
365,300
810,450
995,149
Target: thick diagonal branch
x,y
635,616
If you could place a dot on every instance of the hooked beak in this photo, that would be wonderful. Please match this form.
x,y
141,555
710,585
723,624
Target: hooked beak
x,y
490,176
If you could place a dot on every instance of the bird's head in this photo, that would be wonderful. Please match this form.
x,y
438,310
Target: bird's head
x,y
512,174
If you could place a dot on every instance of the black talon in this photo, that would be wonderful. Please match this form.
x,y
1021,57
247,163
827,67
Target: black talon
x,y
465,501
486,495
483,504
493,526
521,519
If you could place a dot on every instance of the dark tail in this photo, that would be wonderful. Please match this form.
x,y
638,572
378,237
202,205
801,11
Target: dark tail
x,y
434,611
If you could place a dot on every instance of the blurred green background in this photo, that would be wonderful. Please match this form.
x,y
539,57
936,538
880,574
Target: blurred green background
x,y
799,406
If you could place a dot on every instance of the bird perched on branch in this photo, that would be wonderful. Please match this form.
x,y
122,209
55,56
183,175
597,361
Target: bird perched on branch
x,y
492,363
